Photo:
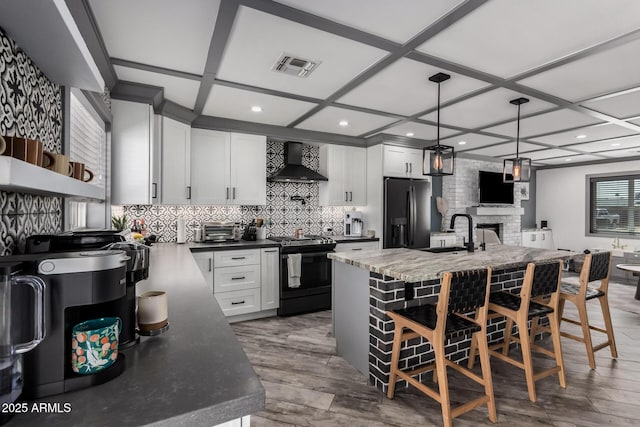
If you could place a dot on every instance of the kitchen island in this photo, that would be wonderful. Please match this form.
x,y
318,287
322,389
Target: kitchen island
x,y
195,374
368,283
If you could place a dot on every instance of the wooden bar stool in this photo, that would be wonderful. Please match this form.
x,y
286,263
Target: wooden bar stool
x,y
539,296
461,293
596,267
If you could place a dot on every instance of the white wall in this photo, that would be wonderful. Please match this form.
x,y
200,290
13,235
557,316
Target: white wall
x,y
561,199
373,212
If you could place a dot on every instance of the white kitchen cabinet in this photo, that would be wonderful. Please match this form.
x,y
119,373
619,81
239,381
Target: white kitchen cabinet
x,y
270,278
205,264
441,240
210,167
346,169
248,169
401,162
176,162
134,154
356,246
542,239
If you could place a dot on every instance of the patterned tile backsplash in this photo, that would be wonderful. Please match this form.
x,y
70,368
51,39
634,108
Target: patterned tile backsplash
x,y
31,108
285,215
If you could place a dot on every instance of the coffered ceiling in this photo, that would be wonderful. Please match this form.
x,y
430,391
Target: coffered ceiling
x,y
576,60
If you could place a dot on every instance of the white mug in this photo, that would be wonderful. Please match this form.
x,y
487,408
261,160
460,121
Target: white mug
x,y
153,311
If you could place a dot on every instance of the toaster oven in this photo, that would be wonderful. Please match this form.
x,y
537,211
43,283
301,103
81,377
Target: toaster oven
x,y
218,231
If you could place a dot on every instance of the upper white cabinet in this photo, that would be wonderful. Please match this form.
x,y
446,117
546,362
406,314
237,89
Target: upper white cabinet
x,y
346,169
134,154
228,168
176,146
401,162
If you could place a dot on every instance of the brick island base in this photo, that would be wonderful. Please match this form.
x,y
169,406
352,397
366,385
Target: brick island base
x,y
364,334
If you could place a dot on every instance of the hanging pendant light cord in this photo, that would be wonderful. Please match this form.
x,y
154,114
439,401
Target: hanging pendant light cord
x,y
518,135
438,132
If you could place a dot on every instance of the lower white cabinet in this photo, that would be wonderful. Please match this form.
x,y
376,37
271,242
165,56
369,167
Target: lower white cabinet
x,y
356,246
243,281
542,239
442,240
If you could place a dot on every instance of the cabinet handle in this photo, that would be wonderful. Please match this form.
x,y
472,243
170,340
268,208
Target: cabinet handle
x,y
351,196
237,278
237,302
189,193
154,191
544,237
406,167
227,193
346,196
238,257
356,249
275,250
410,167
210,262
234,193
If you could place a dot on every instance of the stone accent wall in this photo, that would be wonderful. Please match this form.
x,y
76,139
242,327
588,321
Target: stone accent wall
x,y
387,293
462,191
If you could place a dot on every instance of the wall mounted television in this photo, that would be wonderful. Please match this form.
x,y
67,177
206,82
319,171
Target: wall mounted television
x,y
493,190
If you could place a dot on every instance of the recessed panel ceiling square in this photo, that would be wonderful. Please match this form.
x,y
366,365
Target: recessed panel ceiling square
x,y
487,108
612,144
543,123
237,104
599,74
569,160
420,131
259,39
621,106
617,154
508,149
165,33
507,37
471,141
403,88
546,154
586,134
176,89
394,20
328,120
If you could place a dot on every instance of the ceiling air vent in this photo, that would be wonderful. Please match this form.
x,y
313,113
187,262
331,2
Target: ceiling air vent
x,y
289,64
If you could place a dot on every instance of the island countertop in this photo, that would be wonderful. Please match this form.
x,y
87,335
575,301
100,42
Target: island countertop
x,y
412,265
195,374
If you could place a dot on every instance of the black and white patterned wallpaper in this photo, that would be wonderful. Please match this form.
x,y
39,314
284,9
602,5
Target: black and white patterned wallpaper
x,y
285,215
31,107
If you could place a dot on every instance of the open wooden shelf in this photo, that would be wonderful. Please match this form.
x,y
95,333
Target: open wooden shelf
x,y
19,176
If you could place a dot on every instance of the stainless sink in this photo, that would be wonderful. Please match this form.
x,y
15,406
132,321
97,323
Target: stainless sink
x,y
445,249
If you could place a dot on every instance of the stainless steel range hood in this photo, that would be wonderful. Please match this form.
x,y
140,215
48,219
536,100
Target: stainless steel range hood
x,y
293,171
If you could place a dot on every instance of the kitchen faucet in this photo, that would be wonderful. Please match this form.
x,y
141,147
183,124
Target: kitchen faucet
x,y
470,246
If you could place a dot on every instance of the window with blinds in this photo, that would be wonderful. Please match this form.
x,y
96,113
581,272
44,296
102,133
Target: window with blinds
x,y
614,205
88,141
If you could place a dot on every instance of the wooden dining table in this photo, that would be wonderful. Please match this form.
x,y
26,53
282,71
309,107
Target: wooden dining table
x,y
635,269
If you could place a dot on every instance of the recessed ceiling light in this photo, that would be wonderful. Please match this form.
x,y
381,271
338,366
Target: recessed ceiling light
x,y
462,142
343,123
409,134
581,136
615,144
256,109
567,160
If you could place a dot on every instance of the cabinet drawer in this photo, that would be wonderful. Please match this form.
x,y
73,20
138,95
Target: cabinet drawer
x,y
359,246
236,258
239,302
227,279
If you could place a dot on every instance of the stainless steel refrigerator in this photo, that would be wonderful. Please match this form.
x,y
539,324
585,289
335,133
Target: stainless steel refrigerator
x,y
407,213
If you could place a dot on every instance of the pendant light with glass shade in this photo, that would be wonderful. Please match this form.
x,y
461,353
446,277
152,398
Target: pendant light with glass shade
x,y
517,169
437,160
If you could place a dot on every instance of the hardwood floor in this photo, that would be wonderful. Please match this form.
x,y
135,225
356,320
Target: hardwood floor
x,y
307,384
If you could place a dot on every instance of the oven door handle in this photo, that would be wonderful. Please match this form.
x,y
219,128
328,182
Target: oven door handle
x,y
308,253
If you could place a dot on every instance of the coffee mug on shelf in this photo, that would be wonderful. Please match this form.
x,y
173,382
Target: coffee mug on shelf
x,y
3,145
27,150
153,311
94,344
371,233
79,171
58,163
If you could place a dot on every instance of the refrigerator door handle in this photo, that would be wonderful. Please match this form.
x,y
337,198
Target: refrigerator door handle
x,y
414,214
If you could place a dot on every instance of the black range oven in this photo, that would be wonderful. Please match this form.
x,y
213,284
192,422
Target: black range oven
x,y
314,292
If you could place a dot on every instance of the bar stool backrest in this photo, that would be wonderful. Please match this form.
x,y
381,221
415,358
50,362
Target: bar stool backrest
x,y
467,291
545,278
599,268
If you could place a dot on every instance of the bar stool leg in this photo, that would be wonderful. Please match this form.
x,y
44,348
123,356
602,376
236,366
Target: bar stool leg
x,y
554,325
443,384
483,345
525,346
472,351
604,304
395,358
586,332
508,331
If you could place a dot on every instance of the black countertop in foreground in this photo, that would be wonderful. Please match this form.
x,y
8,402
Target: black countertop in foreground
x,y
195,374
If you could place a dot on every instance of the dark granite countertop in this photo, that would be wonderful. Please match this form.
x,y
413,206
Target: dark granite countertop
x,y
195,374
241,244
413,265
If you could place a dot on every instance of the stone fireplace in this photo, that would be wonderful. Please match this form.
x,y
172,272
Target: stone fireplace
x,y
496,227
